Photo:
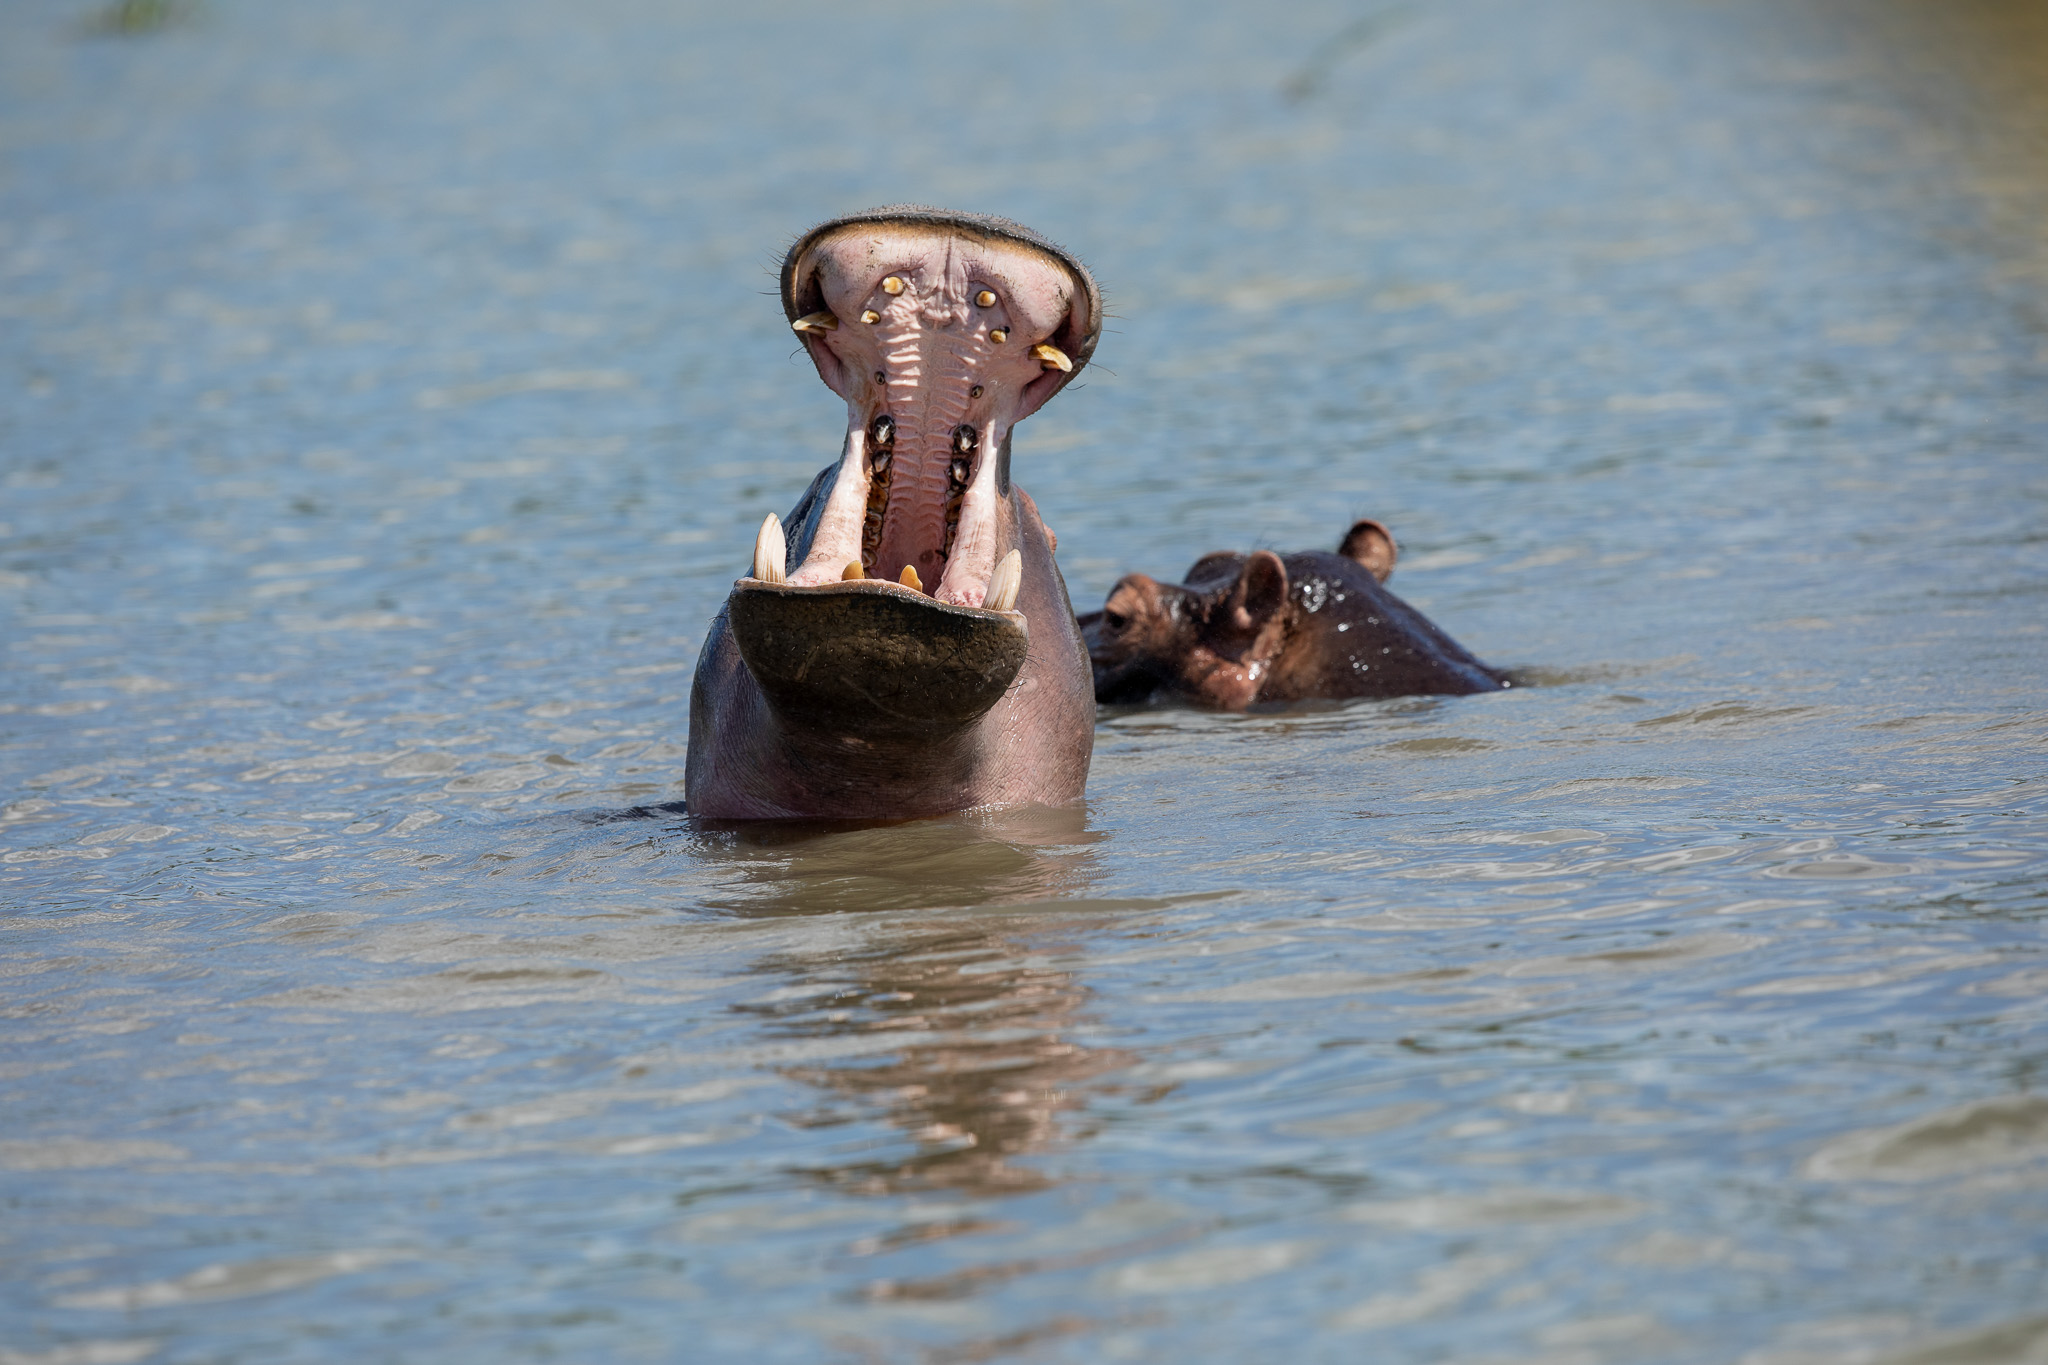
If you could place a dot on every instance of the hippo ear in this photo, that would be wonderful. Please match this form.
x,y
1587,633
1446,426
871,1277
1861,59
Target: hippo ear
x,y
1260,594
1372,546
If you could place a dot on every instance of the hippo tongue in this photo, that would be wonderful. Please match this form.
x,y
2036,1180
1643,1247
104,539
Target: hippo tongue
x,y
940,332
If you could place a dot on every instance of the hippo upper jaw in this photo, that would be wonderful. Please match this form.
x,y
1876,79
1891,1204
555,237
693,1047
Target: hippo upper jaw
x,y
941,332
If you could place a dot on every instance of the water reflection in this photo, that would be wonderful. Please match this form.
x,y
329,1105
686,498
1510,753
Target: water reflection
x,y
975,859
973,1058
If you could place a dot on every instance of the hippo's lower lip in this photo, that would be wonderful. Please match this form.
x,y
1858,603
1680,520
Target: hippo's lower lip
x,y
874,657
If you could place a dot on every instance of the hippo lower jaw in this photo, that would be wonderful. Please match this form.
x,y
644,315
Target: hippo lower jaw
x,y
876,658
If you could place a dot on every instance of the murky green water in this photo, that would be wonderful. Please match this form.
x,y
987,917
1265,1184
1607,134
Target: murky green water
x,y
388,394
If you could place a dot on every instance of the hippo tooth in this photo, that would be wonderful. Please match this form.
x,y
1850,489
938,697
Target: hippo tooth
x,y
1053,357
910,578
821,321
1004,583
770,550
852,571
893,285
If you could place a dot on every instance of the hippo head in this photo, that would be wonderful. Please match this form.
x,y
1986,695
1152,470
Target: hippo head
x,y
1245,629
903,641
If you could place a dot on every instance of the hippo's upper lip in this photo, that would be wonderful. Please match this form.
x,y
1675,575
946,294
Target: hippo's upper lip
x,y
941,331
802,295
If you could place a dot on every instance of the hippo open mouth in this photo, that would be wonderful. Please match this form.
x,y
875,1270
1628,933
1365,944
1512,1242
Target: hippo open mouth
x,y
941,331
896,606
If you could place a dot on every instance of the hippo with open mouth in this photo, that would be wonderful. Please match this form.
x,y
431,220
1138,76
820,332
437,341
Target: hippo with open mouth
x,y
1264,629
904,644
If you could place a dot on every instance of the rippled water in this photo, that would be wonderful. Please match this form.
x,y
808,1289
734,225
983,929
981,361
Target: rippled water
x,y
387,396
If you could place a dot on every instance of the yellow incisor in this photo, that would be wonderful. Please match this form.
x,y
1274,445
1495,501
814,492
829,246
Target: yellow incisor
x,y
852,571
910,578
1053,358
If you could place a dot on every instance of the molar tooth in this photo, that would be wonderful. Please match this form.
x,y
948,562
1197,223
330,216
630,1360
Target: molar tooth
x,y
1053,358
910,579
821,321
770,551
893,285
959,471
986,298
1004,583
999,336
852,571
870,315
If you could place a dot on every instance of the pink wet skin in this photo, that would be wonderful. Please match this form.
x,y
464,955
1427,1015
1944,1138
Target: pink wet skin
x,y
932,363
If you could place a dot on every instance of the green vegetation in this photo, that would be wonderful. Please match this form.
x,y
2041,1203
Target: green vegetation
x,y
126,17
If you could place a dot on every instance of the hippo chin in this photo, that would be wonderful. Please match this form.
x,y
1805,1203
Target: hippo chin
x,y
904,644
1265,629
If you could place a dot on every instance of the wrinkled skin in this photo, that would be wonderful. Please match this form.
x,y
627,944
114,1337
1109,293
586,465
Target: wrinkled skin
x,y
874,665
1266,630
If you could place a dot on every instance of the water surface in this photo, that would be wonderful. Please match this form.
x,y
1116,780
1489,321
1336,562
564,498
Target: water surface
x,y
387,397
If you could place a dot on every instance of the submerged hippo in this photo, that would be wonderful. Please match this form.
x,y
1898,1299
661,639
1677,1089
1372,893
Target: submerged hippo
x,y
1262,628
904,644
